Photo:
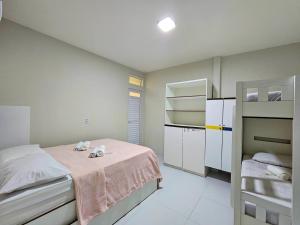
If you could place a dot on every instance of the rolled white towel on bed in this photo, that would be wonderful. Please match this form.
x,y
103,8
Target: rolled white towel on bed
x,y
97,151
82,146
281,172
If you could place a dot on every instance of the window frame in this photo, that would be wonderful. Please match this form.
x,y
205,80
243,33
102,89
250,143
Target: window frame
x,y
138,87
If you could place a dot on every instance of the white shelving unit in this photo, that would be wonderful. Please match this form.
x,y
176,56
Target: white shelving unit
x,y
185,107
185,102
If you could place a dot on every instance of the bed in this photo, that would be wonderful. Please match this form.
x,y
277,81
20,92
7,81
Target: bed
x,y
257,182
127,183
26,205
56,202
268,98
102,182
267,119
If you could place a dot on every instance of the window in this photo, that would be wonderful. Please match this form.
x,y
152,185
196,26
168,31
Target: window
x,y
134,94
135,81
135,109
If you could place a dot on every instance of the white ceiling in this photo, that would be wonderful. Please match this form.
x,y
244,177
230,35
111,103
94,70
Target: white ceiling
x,y
126,31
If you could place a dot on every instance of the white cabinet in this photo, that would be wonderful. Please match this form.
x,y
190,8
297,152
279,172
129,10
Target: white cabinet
x,y
226,151
173,146
229,105
214,136
218,150
184,148
214,112
193,149
213,157
185,107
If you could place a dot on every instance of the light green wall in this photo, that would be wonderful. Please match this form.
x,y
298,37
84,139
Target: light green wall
x,y
63,85
263,64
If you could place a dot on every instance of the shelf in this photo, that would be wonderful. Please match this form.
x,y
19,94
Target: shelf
x,y
185,103
184,125
188,84
184,110
187,97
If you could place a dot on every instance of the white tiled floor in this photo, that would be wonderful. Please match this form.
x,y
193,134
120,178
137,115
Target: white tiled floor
x,y
185,199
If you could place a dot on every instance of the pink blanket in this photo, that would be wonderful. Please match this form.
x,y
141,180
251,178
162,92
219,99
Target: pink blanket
x,y
102,182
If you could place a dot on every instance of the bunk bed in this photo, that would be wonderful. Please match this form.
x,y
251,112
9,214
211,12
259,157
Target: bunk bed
x,y
266,123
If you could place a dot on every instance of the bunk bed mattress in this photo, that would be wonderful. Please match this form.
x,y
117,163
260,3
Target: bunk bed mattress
x,y
256,179
22,206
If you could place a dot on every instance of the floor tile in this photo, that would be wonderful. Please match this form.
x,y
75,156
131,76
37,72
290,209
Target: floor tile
x,y
125,220
182,193
218,191
190,222
156,215
184,199
209,212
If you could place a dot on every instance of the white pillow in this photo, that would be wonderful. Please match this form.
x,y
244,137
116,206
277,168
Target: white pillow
x,y
274,159
17,152
29,171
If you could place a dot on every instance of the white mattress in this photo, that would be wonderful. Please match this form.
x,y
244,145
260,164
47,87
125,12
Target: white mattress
x,y
22,206
256,179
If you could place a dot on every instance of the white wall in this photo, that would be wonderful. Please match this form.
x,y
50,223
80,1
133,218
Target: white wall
x,y
63,85
263,64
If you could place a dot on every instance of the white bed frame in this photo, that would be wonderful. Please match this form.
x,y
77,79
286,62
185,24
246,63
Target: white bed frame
x,y
66,214
287,108
15,130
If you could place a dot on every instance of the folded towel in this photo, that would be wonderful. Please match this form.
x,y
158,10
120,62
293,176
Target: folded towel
x,y
281,172
97,152
82,146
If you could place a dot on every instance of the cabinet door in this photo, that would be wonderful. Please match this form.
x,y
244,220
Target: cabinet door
x,y
227,134
213,149
173,146
228,112
193,150
214,112
214,118
227,151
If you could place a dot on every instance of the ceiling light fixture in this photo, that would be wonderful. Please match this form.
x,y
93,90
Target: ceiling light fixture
x,y
166,24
